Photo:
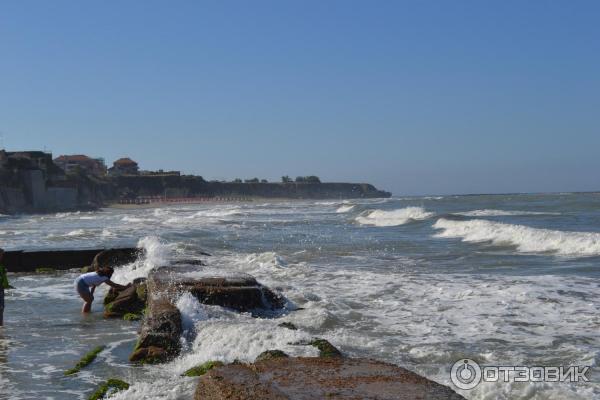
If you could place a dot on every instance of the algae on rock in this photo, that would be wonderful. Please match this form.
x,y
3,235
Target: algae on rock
x,y
85,360
109,388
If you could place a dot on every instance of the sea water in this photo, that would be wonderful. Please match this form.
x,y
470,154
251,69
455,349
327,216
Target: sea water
x,y
417,281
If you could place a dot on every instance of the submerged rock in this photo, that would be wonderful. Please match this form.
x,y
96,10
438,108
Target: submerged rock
x,y
202,368
270,354
109,387
318,378
85,360
326,349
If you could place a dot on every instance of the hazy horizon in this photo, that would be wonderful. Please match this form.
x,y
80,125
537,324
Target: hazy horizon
x,y
416,98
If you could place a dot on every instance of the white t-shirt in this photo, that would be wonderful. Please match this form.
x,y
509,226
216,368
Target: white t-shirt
x,y
93,279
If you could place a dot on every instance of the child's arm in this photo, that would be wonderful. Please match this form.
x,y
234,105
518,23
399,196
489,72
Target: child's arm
x,y
92,290
116,285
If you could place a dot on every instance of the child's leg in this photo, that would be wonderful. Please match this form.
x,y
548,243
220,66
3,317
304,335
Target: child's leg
x,y
87,307
84,293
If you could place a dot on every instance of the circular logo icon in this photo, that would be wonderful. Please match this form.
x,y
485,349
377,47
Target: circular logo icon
x,y
465,374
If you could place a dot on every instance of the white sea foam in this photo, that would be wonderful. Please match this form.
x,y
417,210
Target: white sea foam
x,y
344,209
501,213
393,217
526,239
156,254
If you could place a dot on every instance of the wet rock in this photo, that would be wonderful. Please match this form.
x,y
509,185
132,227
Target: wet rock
x,y
288,325
161,327
202,368
129,301
326,349
269,354
109,388
318,378
85,360
132,317
45,270
149,355
239,292
160,333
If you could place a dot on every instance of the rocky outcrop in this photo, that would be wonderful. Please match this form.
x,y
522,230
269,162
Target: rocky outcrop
x,y
161,331
283,378
128,302
161,328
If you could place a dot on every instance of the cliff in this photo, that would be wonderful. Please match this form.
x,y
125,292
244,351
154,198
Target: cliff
x,y
31,182
195,186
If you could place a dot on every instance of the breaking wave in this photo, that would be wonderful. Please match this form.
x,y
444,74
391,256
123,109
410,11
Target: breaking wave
x,y
526,239
501,213
344,209
156,254
393,217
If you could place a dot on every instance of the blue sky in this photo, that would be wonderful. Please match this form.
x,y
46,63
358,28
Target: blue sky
x,y
416,97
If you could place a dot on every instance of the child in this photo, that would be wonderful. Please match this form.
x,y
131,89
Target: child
x,y
3,285
86,284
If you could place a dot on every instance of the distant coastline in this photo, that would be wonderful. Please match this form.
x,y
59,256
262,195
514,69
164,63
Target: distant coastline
x,y
32,182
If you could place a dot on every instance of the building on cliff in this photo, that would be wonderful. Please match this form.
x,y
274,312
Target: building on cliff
x,y
124,166
80,162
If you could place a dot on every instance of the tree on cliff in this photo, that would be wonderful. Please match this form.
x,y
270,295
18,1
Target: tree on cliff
x,y
237,180
308,179
286,179
253,180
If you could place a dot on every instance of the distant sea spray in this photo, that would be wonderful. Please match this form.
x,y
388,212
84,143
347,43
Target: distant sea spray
x,y
393,217
526,239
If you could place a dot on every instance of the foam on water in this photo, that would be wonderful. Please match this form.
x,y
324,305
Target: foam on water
x,y
393,217
502,213
526,239
156,254
344,209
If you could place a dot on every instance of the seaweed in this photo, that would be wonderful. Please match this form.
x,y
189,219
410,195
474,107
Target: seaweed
x,y
112,385
85,360
202,368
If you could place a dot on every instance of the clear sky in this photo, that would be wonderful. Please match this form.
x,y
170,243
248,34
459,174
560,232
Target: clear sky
x,y
416,97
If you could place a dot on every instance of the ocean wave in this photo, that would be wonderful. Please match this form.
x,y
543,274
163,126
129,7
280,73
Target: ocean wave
x,y
344,209
156,254
502,213
217,213
393,217
526,239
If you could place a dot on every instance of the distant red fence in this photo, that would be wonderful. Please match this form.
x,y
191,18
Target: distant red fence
x,y
160,199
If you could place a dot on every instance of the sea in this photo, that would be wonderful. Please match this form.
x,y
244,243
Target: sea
x,y
421,282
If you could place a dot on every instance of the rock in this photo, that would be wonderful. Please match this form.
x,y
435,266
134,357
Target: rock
x,y
270,354
288,325
202,368
240,292
161,330
129,301
326,349
132,317
318,378
149,355
109,387
45,270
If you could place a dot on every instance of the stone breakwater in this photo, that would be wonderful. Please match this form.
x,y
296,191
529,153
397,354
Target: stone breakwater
x,y
273,375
